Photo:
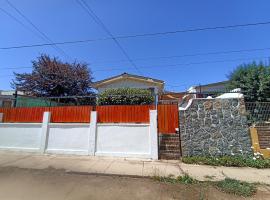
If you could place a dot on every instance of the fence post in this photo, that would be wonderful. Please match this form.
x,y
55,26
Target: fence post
x,y
153,134
44,131
92,133
16,98
1,117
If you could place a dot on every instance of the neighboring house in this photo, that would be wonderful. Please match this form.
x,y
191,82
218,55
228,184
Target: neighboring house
x,y
202,91
10,99
7,98
199,91
126,80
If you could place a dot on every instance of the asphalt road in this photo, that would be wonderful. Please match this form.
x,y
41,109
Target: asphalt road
x,y
29,184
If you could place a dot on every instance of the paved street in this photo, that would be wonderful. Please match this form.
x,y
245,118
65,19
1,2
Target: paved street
x,y
131,167
31,176
33,184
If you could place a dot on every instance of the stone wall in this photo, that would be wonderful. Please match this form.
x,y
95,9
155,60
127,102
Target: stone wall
x,y
215,127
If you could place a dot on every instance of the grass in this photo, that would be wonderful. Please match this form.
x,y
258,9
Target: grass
x,y
227,185
228,161
186,179
237,187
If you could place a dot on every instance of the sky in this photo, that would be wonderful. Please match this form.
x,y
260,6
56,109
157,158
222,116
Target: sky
x,y
162,57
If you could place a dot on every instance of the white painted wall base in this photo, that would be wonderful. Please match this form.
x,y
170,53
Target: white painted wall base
x,y
68,138
125,140
119,139
124,155
24,136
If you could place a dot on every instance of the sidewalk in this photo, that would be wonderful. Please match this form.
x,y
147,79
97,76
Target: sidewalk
x,y
130,167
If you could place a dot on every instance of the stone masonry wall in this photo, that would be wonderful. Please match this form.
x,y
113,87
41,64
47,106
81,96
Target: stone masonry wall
x,y
215,127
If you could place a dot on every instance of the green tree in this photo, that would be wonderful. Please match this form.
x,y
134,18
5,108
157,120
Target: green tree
x,y
253,79
126,96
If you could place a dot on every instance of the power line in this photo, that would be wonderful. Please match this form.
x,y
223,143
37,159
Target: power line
x,y
147,58
187,64
188,55
26,27
201,29
43,35
174,56
92,14
18,21
168,65
138,35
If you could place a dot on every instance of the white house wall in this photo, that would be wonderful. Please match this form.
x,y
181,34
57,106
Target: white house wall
x,y
20,136
127,140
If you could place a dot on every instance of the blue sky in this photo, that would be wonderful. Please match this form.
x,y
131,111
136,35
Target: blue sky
x,y
65,20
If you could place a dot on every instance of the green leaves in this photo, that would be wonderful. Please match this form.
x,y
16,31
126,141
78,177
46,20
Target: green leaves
x,y
253,79
126,96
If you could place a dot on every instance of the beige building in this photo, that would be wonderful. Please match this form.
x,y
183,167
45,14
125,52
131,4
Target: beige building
x,y
126,80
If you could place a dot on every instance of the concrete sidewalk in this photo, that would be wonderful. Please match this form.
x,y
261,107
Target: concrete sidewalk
x,y
131,167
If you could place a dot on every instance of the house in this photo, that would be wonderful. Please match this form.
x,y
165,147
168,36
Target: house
x,y
7,98
126,80
202,91
199,91
11,98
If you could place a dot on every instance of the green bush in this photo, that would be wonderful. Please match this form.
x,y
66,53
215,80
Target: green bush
x,y
228,161
236,187
126,96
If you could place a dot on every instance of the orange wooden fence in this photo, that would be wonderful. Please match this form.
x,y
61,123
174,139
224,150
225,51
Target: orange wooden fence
x,y
124,113
58,114
73,114
167,115
168,118
23,114
80,114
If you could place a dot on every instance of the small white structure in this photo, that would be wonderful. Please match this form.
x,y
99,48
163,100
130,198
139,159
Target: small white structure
x,y
187,100
126,80
235,93
114,139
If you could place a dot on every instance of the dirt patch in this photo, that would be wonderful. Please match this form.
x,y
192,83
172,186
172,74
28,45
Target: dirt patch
x,y
53,184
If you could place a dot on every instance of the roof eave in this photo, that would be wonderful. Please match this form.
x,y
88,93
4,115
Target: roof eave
x,y
112,79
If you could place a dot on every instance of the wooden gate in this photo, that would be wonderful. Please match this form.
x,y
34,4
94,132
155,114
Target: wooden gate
x,y
168,118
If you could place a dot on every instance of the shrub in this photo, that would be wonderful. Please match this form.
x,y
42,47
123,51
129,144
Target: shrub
x,y
126,96
228,161
236,187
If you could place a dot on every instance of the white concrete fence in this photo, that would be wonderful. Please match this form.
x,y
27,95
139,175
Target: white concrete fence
x,y
102,139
